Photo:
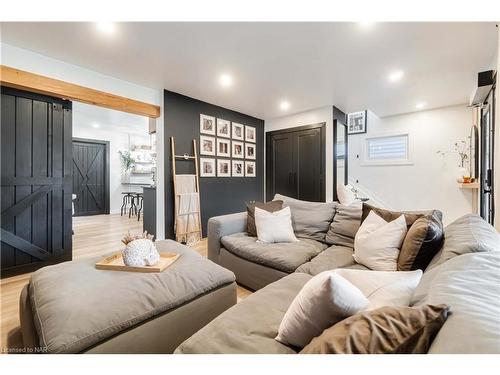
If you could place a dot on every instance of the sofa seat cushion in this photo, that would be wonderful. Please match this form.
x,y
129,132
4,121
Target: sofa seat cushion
x,y
76,306
251,326
469,284
286,257
330,259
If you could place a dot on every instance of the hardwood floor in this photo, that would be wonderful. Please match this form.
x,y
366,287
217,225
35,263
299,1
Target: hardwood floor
x,y
93,236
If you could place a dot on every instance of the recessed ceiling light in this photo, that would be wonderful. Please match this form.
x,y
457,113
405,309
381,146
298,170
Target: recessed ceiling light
x,y
284,105
96,125
366,25
225,80
106,27
420,105
396,75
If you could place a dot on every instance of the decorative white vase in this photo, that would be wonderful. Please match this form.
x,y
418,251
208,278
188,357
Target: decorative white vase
x,y
461,172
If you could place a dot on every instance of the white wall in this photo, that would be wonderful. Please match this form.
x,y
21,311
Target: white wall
x,y
36,63
430,182
324,114
496,182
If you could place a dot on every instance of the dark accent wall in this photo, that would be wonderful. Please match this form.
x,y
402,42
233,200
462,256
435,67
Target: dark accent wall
x,y
218,195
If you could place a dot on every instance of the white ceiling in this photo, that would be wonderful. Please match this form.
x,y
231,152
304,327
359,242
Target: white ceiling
x,y
90,117
309,64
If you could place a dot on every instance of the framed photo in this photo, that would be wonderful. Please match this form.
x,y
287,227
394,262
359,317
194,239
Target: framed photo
x,y
207,167
237,150
223,147
207,145
238,168
207,124
250,169
223,128
238,131
356,122
223,168
250,134
250,151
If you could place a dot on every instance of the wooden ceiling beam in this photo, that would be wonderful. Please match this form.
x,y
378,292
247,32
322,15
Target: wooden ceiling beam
x,y
27,81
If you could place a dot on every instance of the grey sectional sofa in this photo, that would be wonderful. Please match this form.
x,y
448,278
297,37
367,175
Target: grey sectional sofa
x,y
464,274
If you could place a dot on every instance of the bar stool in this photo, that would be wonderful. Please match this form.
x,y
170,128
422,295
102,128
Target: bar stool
x,y
140,201
128,198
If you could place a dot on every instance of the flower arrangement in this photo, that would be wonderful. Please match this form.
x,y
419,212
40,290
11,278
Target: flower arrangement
x,y
126,160
460,148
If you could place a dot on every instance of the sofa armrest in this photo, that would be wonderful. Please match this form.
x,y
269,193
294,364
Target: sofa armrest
x,y
220,226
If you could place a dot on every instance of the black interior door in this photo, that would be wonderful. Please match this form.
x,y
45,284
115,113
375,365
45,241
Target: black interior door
x,y
90,177
36,181
487,209
295,163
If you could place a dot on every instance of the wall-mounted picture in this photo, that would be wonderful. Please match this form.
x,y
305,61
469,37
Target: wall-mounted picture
x,y
223,168
250,151
250,169
207,145
238,151
250,134
207,124
238,131
223,147
223,128
207,166
356,122
238,168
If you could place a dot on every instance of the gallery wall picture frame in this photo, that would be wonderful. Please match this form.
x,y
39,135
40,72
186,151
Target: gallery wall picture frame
x,y
223,147
223,128
238,131
356,122
250,134
223,168
207,167
238,169
250,151
207,124
250,169
207,145
237,150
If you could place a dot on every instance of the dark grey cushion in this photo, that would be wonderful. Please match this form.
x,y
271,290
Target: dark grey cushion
x,y
468,234
251,326
309,219
330,259
76,306
284,257
345,225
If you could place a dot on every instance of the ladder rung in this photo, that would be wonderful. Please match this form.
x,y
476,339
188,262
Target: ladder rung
x,y
185,157
188,213
184,233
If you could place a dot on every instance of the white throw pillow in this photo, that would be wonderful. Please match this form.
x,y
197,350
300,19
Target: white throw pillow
x,y
383,288
323,301
377,242
274,226
345,195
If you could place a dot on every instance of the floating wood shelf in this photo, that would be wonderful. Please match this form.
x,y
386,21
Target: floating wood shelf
x,y
470,185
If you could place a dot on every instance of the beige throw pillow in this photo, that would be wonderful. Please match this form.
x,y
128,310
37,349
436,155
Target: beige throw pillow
x,y
274,227
326,299
377,242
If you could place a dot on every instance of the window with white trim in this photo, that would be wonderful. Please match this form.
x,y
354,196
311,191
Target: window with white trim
x,y
391,149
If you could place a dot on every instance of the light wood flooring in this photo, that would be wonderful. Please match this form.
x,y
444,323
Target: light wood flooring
x,y
93,236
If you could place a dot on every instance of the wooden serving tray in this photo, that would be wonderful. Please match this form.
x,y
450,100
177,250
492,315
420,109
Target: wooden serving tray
x,y
115,263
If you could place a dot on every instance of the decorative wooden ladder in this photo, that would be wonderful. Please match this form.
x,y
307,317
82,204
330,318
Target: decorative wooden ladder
x,y
183,236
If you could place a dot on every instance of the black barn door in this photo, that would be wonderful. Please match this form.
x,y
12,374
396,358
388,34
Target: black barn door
x,y
90,177
36,181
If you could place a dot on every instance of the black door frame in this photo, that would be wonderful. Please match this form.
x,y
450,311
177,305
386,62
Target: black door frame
x,y
322,127
106,164
339,119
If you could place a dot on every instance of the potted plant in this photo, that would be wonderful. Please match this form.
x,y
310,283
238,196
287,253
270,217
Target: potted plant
x,y
127,163
460,148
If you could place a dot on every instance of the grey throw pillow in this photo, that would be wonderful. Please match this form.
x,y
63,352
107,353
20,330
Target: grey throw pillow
x,y
468,234
309,219
345,225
